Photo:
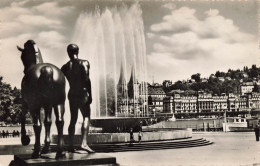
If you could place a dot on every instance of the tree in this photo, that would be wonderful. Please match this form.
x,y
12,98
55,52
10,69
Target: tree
x,y
179,85
196,77
150,100
217,74
10,103
256,88
253,72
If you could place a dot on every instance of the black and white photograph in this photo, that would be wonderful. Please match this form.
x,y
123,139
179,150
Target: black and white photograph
x,y
130,83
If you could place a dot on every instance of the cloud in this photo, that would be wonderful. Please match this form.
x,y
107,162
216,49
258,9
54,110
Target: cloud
x,y
150,35
41,21
212,12
169,6
37,21
52,10
51,39
179,20
191,44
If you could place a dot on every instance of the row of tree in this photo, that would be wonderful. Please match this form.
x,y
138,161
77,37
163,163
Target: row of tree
x,y
215,85
10,104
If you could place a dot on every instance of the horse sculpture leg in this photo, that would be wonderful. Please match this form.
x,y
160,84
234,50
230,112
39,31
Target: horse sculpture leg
x,y
24,138
37,126
59,113
47,125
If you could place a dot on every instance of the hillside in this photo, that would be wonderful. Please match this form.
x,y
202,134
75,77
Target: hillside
x,y
220,82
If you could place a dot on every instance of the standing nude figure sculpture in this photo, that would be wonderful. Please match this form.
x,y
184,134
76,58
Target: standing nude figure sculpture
x,y
77,73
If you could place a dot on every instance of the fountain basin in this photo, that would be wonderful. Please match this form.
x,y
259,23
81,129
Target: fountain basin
x,y
97,138
118,124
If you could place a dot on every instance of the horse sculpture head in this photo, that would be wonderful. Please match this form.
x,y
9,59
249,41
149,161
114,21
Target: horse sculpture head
x,y
31,55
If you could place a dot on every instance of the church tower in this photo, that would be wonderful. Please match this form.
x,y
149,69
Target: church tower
x,y
121,86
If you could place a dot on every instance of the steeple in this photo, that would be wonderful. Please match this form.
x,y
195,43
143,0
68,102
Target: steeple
x,y
132,78
131,84
121,86
122,77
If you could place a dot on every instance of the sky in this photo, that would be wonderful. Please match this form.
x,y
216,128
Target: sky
x,y
182,37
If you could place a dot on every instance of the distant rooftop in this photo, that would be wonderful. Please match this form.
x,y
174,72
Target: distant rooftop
x,y
156,91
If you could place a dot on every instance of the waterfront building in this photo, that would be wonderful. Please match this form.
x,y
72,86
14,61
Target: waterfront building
x,y
205,102
232,102
180,102
254,100
242,103
168,104
246,87
220,103
156,94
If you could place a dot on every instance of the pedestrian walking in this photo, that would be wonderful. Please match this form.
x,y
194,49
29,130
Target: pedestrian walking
x,y
140,137
18,133
256,129
3,133
131,137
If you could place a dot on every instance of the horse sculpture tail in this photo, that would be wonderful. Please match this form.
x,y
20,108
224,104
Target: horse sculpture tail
x,y
46,83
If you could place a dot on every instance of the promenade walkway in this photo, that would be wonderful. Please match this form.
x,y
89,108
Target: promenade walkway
x,y
228,149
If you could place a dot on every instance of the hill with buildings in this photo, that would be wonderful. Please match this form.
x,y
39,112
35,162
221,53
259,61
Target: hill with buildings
x,y
235,92
220,82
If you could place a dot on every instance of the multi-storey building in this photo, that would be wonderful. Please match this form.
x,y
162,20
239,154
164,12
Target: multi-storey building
x,y
246,87
254,100
220,103
156,94
206,103
232,100
168,104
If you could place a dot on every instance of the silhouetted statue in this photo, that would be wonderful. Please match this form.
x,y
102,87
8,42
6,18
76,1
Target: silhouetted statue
x,y
80,97
43,87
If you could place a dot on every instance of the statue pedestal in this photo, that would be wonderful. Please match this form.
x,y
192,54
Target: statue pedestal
x,y
71,159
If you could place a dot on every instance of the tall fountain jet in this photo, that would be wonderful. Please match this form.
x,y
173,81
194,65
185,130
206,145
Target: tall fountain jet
x,y
113,41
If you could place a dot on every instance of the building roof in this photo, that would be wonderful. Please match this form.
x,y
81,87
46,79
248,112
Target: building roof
x,y
156,91
247,84
178,91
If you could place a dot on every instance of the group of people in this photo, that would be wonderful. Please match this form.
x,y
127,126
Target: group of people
x,y
6,134
132,140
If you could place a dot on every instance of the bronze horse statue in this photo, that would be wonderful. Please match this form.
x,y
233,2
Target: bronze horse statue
x,y
43,87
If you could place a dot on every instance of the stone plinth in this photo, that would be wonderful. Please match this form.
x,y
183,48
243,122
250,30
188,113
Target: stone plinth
x,y
71,159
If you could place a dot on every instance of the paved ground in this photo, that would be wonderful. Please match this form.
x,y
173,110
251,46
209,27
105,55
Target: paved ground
x,y
228,149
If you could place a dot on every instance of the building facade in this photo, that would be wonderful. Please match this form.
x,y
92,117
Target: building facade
x,y
156,94
204,103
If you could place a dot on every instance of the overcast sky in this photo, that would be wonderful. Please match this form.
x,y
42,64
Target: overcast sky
x,y
182,38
